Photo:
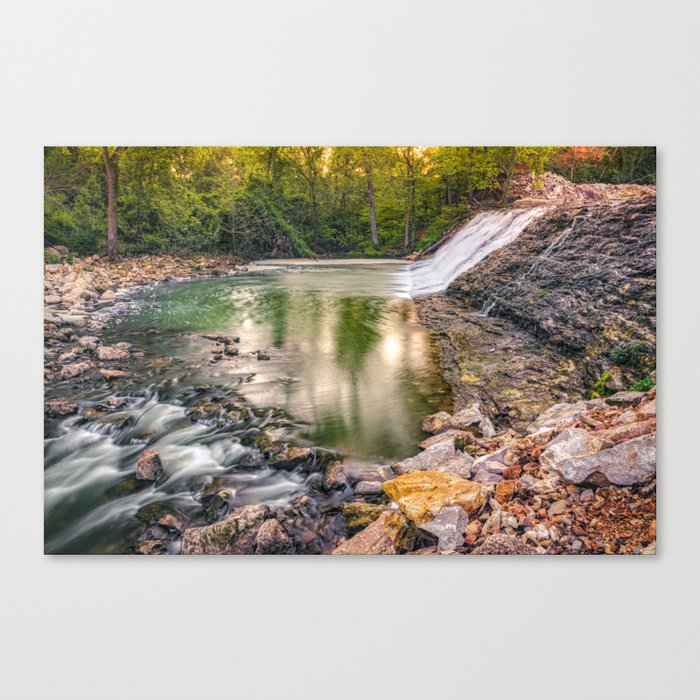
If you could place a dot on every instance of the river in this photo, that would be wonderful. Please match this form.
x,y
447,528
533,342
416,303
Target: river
x,y
350,371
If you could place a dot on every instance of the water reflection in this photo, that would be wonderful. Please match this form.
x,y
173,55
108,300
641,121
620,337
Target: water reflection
x,y
349,361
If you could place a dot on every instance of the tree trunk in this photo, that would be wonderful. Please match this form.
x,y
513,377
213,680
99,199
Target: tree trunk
x,y
112,173
406,225
370,199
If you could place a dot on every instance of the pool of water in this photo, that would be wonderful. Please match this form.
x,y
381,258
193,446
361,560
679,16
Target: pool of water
x,y
349,366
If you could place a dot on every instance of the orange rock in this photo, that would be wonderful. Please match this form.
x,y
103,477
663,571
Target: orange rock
x,y
513,472
505,491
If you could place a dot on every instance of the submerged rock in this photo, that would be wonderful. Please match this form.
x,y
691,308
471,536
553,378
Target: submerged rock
x,y
628,463
76,369
421,495
149,466
105,352
237,533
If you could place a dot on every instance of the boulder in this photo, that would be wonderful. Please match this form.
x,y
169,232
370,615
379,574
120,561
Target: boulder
x,y
449,526
572,442
237,533
373,539
421,495
290,457
368,488
562,415
428,459
503,544
273,539
334,478
434,423
505,491
461,439
628,463
360,515
625,398
105,352
401,530
149,466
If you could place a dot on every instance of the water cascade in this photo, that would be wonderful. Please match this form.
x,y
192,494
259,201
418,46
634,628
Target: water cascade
x,y
482,235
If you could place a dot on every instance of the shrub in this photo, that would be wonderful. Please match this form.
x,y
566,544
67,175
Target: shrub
x,y
643,384
600,388
627,353
51,258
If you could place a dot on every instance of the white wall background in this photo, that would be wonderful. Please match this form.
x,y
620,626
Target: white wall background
x,y
367,71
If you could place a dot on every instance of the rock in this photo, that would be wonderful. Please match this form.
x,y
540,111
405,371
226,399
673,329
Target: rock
x,y
434,423
59,408
460,438
628,463
459,465
76,369
151,546
273,539
502,544
484,477
401,531
547,485
622,433
488,465
109,295
470,419
562,415
237,533
368,488
557,508
116,421
572,442
625,398
427,459
492,525
110,374
422,494
149,466
360,515
505,491
290,457
334,478
90,342
373,539
449,526
105,352
262,356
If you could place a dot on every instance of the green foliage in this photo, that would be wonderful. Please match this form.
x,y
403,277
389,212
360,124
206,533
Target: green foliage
x,y
628,353
51,258
303,201
600,388
644,384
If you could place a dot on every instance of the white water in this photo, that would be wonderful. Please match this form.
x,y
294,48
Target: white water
x,y
482,235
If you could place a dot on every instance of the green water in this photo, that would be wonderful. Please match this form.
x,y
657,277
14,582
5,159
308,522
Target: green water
x,y
348,359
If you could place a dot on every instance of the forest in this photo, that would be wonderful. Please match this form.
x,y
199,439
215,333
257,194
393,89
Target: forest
x,y
285,201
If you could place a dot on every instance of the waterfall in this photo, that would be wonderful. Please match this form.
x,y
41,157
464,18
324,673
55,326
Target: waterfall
x,y
481,235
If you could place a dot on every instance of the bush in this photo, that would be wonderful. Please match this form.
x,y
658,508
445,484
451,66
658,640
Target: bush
x,y
600,388
51,258
643,384
628,353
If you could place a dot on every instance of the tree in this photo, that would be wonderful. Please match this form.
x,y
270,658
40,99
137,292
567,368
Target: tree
x,y
111,163
370,198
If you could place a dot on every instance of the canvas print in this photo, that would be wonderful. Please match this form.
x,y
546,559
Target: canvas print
x,y
350,350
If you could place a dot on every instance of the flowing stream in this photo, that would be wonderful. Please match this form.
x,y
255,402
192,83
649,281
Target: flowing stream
x,y
350,371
